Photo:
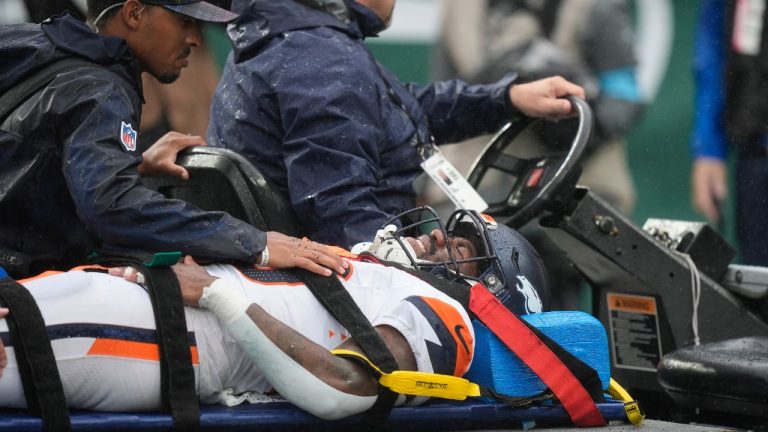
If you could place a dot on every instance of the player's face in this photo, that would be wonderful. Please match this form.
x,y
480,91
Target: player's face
x,y
172,36
434,247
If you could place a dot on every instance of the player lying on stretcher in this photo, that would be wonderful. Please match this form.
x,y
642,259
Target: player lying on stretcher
x,y
262,330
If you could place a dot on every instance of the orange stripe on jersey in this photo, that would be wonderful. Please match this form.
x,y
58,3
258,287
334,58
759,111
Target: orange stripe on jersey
x,y
132,349
90,267
342,252
457,327
40,276
56,272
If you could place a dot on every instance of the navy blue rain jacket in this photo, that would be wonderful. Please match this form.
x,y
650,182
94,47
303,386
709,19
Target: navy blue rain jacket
x,y
304,100
66,179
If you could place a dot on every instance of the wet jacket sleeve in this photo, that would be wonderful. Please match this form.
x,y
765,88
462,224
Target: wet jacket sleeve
x,y
458,111
708,138
103,180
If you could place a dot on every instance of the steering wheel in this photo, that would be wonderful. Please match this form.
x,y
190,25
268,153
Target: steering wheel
x,y
528,184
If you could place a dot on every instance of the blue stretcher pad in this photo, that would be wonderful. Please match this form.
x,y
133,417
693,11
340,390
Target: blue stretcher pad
x,y
498,368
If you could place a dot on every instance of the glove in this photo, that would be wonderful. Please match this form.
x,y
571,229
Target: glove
x,y
386,248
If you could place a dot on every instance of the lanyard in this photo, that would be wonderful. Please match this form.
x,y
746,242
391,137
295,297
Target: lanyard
x,y
424,147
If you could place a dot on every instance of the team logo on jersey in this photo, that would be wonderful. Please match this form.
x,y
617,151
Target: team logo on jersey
x,y
128,136
450,352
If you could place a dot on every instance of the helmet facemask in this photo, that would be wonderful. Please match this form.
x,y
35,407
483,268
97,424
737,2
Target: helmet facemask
x,y
520,282
466,224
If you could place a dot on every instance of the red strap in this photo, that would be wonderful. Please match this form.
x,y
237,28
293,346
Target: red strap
x,y
537,356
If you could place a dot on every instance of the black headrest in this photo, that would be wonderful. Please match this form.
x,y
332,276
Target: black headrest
x,y
221,179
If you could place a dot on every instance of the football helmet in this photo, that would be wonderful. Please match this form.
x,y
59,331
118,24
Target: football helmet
x,y
502,260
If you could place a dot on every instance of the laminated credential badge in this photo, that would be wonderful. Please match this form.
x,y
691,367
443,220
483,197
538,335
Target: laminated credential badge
x,y
450,180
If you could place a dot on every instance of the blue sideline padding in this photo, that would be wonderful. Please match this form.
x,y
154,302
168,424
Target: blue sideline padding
x,y
281,417
497,367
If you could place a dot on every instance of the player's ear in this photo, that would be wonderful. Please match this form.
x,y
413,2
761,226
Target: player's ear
x,y
131,14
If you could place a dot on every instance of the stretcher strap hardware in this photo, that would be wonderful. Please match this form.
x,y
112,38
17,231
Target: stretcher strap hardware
x,y
339,303
418,383
576,385
40,377
177,375
163,259
634,414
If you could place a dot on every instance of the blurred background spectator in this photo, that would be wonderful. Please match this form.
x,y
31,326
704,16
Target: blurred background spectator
x,y
731,110
589,42
19,11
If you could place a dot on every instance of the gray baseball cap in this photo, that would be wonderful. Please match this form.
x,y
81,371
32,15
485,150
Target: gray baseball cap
x,y
197,9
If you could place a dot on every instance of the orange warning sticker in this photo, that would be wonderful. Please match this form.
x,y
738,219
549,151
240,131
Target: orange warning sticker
x,y
633,326
631,303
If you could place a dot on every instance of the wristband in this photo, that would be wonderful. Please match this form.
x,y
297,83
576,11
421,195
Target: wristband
x,y
264,257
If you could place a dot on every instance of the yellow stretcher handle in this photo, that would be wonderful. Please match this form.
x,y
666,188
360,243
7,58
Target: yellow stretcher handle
x,y
634,414
420,383
429,384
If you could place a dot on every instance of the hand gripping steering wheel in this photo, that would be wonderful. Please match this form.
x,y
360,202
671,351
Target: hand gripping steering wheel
x,y
522,186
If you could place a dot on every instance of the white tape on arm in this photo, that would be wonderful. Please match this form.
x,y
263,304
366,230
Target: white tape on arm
x,y
288,377
225,300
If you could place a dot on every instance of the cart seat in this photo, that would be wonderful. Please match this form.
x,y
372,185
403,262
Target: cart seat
x,y
220,179
728,376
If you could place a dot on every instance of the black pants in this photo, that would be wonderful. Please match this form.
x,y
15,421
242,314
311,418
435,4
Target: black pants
x,y
752,210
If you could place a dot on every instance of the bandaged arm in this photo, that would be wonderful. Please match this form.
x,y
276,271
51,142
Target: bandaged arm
x,y
297,368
